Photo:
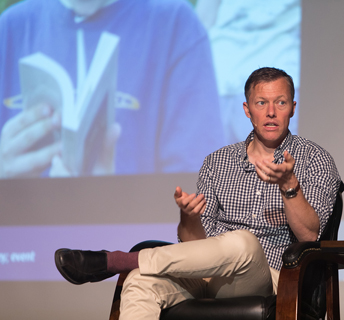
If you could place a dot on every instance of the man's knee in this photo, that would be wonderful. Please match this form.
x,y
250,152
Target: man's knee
x,y
161,291
136,282
242,241
132,276
138,301
137,287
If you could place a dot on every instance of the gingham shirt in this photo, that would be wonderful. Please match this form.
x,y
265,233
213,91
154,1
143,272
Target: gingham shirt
x,y
238,199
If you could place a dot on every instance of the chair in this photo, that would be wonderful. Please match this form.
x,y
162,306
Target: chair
x,y
307,289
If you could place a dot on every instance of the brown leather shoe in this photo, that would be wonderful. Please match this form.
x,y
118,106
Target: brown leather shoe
x,y
78,266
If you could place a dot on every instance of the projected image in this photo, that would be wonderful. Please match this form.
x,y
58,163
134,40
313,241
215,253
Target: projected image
x,y
132,87
105,87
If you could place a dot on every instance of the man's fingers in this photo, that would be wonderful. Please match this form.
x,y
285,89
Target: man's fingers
x,y
33,163
26,119
186,199
195,207
288,157
275,173
203,207
189,203
263,168
182,198
178,192
193,201
29,136
200,207
264,172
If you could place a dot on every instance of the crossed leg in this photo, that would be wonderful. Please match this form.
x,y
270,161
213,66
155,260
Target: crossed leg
x,y
234,261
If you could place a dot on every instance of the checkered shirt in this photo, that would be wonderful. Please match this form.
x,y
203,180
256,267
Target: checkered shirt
x,y
238,199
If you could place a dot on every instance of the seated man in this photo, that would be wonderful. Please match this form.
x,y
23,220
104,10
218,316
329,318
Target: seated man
x,y
254,198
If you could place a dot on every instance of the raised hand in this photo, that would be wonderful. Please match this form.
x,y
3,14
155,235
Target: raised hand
x,y
191,208
189,204
281,174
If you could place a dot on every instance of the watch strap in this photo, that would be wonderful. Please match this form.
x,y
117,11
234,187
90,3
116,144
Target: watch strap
x,y
291,192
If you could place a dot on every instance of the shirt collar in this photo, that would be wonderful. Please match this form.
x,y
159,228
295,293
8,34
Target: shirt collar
x,y
78,19
278,154
244,156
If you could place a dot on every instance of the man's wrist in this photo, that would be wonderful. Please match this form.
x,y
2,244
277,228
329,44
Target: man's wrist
x,y
290,192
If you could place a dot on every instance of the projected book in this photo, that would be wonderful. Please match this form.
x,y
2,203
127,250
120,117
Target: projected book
x,y
85,116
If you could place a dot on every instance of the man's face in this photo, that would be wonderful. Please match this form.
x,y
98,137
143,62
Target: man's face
x,y
270,108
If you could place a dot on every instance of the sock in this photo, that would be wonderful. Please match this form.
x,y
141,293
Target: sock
x,y
119,261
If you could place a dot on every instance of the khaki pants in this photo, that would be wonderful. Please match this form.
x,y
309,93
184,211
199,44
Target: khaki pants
x,y
234,264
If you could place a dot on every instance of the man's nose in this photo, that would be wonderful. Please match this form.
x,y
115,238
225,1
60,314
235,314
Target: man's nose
x,y
271,110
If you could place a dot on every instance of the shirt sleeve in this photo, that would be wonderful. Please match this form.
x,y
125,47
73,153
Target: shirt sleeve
x,y
321,185
205,185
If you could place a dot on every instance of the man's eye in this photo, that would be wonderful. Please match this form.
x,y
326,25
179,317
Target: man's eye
x,y
281,102
260,103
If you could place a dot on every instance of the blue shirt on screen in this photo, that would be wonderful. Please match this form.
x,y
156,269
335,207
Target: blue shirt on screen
x,y
164,66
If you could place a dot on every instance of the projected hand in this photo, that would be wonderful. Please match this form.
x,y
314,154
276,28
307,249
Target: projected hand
x,y
189,204
18,157
105,160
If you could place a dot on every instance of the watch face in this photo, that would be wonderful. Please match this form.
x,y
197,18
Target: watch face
x,y
290,193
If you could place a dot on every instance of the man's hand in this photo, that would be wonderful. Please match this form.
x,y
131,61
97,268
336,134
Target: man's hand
x,y
20,134
191,208
302,218
281,174
189,204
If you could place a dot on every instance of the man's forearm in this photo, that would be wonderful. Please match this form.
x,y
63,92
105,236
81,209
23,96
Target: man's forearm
x,y
302,218
190,228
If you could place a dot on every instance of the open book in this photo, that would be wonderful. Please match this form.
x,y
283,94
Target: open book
x,y
86,116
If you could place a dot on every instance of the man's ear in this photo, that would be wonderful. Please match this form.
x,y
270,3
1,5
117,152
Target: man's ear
x,y
247,110
293,110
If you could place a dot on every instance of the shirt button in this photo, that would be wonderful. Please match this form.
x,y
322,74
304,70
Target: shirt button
x,y
258,193
254,216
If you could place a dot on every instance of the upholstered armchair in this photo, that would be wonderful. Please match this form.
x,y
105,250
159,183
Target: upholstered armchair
x,y
307,289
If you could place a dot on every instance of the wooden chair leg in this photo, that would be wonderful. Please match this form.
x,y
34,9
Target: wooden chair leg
x,y
287,302
332,292
114,313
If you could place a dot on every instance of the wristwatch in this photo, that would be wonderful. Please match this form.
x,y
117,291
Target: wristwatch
x,y
291,192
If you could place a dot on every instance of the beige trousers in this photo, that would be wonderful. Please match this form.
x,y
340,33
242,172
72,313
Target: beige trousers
x,y
234,264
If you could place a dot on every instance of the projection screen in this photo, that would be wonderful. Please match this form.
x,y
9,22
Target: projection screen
x,y
103,116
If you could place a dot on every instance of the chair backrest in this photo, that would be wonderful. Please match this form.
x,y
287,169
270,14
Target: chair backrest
x,y
332,227
314,284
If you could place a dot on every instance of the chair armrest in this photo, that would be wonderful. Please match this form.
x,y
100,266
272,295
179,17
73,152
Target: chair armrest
x,y
149,244
294,254
296,259
332,246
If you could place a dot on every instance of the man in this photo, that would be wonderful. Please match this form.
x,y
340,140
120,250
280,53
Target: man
x,y
254,198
